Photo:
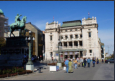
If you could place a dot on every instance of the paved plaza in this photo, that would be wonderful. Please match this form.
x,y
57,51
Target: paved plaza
x,y
99,72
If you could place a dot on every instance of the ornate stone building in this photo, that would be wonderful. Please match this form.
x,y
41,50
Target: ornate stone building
x,y
77,39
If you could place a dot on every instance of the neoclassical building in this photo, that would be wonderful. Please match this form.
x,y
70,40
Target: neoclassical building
x,y
78,39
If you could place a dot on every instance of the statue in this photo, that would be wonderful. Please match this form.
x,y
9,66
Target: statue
x,y
19,24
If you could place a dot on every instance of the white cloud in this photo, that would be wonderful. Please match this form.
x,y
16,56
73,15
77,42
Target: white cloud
x,y
107,37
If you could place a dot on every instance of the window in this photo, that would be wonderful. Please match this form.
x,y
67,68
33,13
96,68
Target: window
x,y
65,30
89,29
71,36
89,34
90,51
51,54
75,29
51,38
76,36
61,37
81,36
90,54
50,33
66,37
70,29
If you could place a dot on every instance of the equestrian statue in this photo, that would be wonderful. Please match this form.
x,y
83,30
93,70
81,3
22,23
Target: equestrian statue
x,y
19,24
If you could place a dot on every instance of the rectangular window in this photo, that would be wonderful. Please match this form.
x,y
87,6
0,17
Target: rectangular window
x,y
71,36
76,36
81,36
66,37
51,38
61,37
65,30
75,29
89,34
90,51
70,29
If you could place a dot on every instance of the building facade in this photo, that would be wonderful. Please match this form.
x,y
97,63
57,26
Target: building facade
x,y
4,28
77,39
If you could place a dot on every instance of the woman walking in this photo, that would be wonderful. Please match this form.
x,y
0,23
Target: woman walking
x,y
84,62
93,62
75,64
70,67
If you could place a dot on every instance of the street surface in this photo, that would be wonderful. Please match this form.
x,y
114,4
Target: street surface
x,y
99,72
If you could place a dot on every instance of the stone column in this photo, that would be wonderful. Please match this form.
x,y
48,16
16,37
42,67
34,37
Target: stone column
x,y
73,44
67,44
73,36
79,54
62,44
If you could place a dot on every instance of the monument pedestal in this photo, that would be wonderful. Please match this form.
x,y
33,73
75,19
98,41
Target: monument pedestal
x,y
13,51
30,67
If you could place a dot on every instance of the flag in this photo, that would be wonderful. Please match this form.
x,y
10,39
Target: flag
x,y
53,17
88,13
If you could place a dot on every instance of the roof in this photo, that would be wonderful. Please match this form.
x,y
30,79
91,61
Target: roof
x,y
1,12
71,23
52,23
34,26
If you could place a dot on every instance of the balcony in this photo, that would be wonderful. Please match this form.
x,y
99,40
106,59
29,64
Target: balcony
x,y
70,47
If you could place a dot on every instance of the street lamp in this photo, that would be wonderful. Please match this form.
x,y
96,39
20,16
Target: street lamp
x,y
30,65
59,44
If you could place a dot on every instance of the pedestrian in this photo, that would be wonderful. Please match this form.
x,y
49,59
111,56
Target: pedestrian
x,y
102,60
97,61
75,63
67,65
81,60
52,58
93,62
84,62
78,62
88,61
70,67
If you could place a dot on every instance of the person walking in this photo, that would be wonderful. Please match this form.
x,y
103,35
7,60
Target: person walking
x,y
67,65
93,62
81,60
97,61
102,60
88,61
70,67
75,63
84,62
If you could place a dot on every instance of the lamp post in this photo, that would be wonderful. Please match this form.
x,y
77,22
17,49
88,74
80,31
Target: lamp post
x,y
30,65
59,44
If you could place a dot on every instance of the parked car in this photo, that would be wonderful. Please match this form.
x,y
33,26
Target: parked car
x,y
109,60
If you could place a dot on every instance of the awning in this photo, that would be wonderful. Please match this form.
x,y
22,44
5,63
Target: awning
x,y
69,50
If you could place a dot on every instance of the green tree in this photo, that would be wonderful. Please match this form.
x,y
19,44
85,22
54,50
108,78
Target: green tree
x,y
2,43
112,56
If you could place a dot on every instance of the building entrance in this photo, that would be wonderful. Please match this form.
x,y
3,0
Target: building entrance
x,y
76,56
71,56
65,57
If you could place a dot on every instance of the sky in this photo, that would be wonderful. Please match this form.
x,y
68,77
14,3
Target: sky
x,y
41,12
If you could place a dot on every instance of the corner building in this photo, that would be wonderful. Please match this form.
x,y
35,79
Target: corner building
x,y
77,39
